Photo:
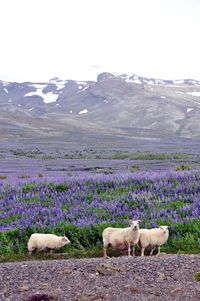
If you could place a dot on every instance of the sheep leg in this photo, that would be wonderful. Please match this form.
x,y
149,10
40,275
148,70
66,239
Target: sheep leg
x,y
158,250
31,251
142,251
133,250
129,250
152,251
105,253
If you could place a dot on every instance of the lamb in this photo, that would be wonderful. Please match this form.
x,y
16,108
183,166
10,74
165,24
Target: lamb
x,y
121,237
153,237
40,241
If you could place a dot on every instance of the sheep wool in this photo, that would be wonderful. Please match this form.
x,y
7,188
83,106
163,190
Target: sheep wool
x,y
40,241
153,237
121,237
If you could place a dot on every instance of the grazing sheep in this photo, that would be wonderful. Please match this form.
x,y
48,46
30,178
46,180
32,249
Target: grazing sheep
x,y
40,241
153,237
121,237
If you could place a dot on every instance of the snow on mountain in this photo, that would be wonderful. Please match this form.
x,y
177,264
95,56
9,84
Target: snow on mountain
x,y
194,93
47,97
189,109
83,112
120,104
58,82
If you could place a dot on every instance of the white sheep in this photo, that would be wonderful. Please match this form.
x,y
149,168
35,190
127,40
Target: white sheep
x,y
153,237
40,241
121,237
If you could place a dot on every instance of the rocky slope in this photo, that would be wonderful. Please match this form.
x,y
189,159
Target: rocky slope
x,y
121,106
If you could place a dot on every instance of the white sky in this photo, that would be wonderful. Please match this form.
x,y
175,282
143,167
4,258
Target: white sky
x,y
77,39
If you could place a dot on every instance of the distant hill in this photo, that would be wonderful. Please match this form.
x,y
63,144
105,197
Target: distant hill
x,y
116,106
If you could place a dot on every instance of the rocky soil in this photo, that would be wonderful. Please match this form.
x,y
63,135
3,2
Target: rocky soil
x,y
168,277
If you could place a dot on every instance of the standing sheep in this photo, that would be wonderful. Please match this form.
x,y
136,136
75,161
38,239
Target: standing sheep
x,y
121,237
153,237
40,241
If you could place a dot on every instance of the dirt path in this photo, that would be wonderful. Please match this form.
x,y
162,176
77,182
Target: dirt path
x,y
149,278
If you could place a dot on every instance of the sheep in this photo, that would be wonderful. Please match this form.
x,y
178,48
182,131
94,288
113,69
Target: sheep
x,y
121,237
153,237
40,241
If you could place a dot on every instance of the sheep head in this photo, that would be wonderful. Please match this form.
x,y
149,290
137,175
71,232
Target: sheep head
x,y
65,240
164,228
134,224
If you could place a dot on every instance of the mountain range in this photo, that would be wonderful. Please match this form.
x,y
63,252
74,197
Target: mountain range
x,y
115,107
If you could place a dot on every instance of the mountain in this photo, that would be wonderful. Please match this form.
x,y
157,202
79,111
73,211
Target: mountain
x,y
116,106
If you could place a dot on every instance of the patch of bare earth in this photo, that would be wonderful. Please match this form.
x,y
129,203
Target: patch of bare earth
x,y
168,277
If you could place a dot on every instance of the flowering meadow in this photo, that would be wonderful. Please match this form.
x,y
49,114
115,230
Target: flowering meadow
x,y
81,207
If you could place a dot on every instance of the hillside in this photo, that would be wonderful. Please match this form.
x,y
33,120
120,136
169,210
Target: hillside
x,y
115,107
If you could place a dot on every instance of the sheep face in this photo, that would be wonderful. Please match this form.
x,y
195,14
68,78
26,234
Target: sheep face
x,y
64,241
164,228
134,225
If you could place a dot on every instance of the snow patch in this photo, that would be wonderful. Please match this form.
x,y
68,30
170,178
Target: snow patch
x,y
38,86
178,81
150,82
5,90
81,88
47,97
58,82
130,78
19,105
82,83
179,92
189,109
84,88
10,100
163,97
194,93
5,84
137,81
31,109
83,112
159,81
60,86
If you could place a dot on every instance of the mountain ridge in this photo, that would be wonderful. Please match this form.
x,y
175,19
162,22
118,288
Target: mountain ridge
x,y
115,105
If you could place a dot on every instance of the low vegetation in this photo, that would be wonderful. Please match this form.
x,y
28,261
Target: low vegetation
x,y
81,208
92,153
197,276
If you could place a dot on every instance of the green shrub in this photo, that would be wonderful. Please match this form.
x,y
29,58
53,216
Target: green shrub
x,y
184,166
197,276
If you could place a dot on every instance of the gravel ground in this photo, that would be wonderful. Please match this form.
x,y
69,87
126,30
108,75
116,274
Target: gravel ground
x,y
168,277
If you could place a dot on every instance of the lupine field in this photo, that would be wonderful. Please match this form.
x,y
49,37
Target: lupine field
x,y
81,207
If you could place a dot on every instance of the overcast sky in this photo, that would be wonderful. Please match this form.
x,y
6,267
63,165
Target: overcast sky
x,y
78,39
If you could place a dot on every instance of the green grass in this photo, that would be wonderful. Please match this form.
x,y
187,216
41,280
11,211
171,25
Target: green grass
x,y
87,242
197,276
148,156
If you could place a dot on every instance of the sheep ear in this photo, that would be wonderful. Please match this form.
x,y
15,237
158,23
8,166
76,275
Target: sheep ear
x,y
139,221
130,222
64,238
161,227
